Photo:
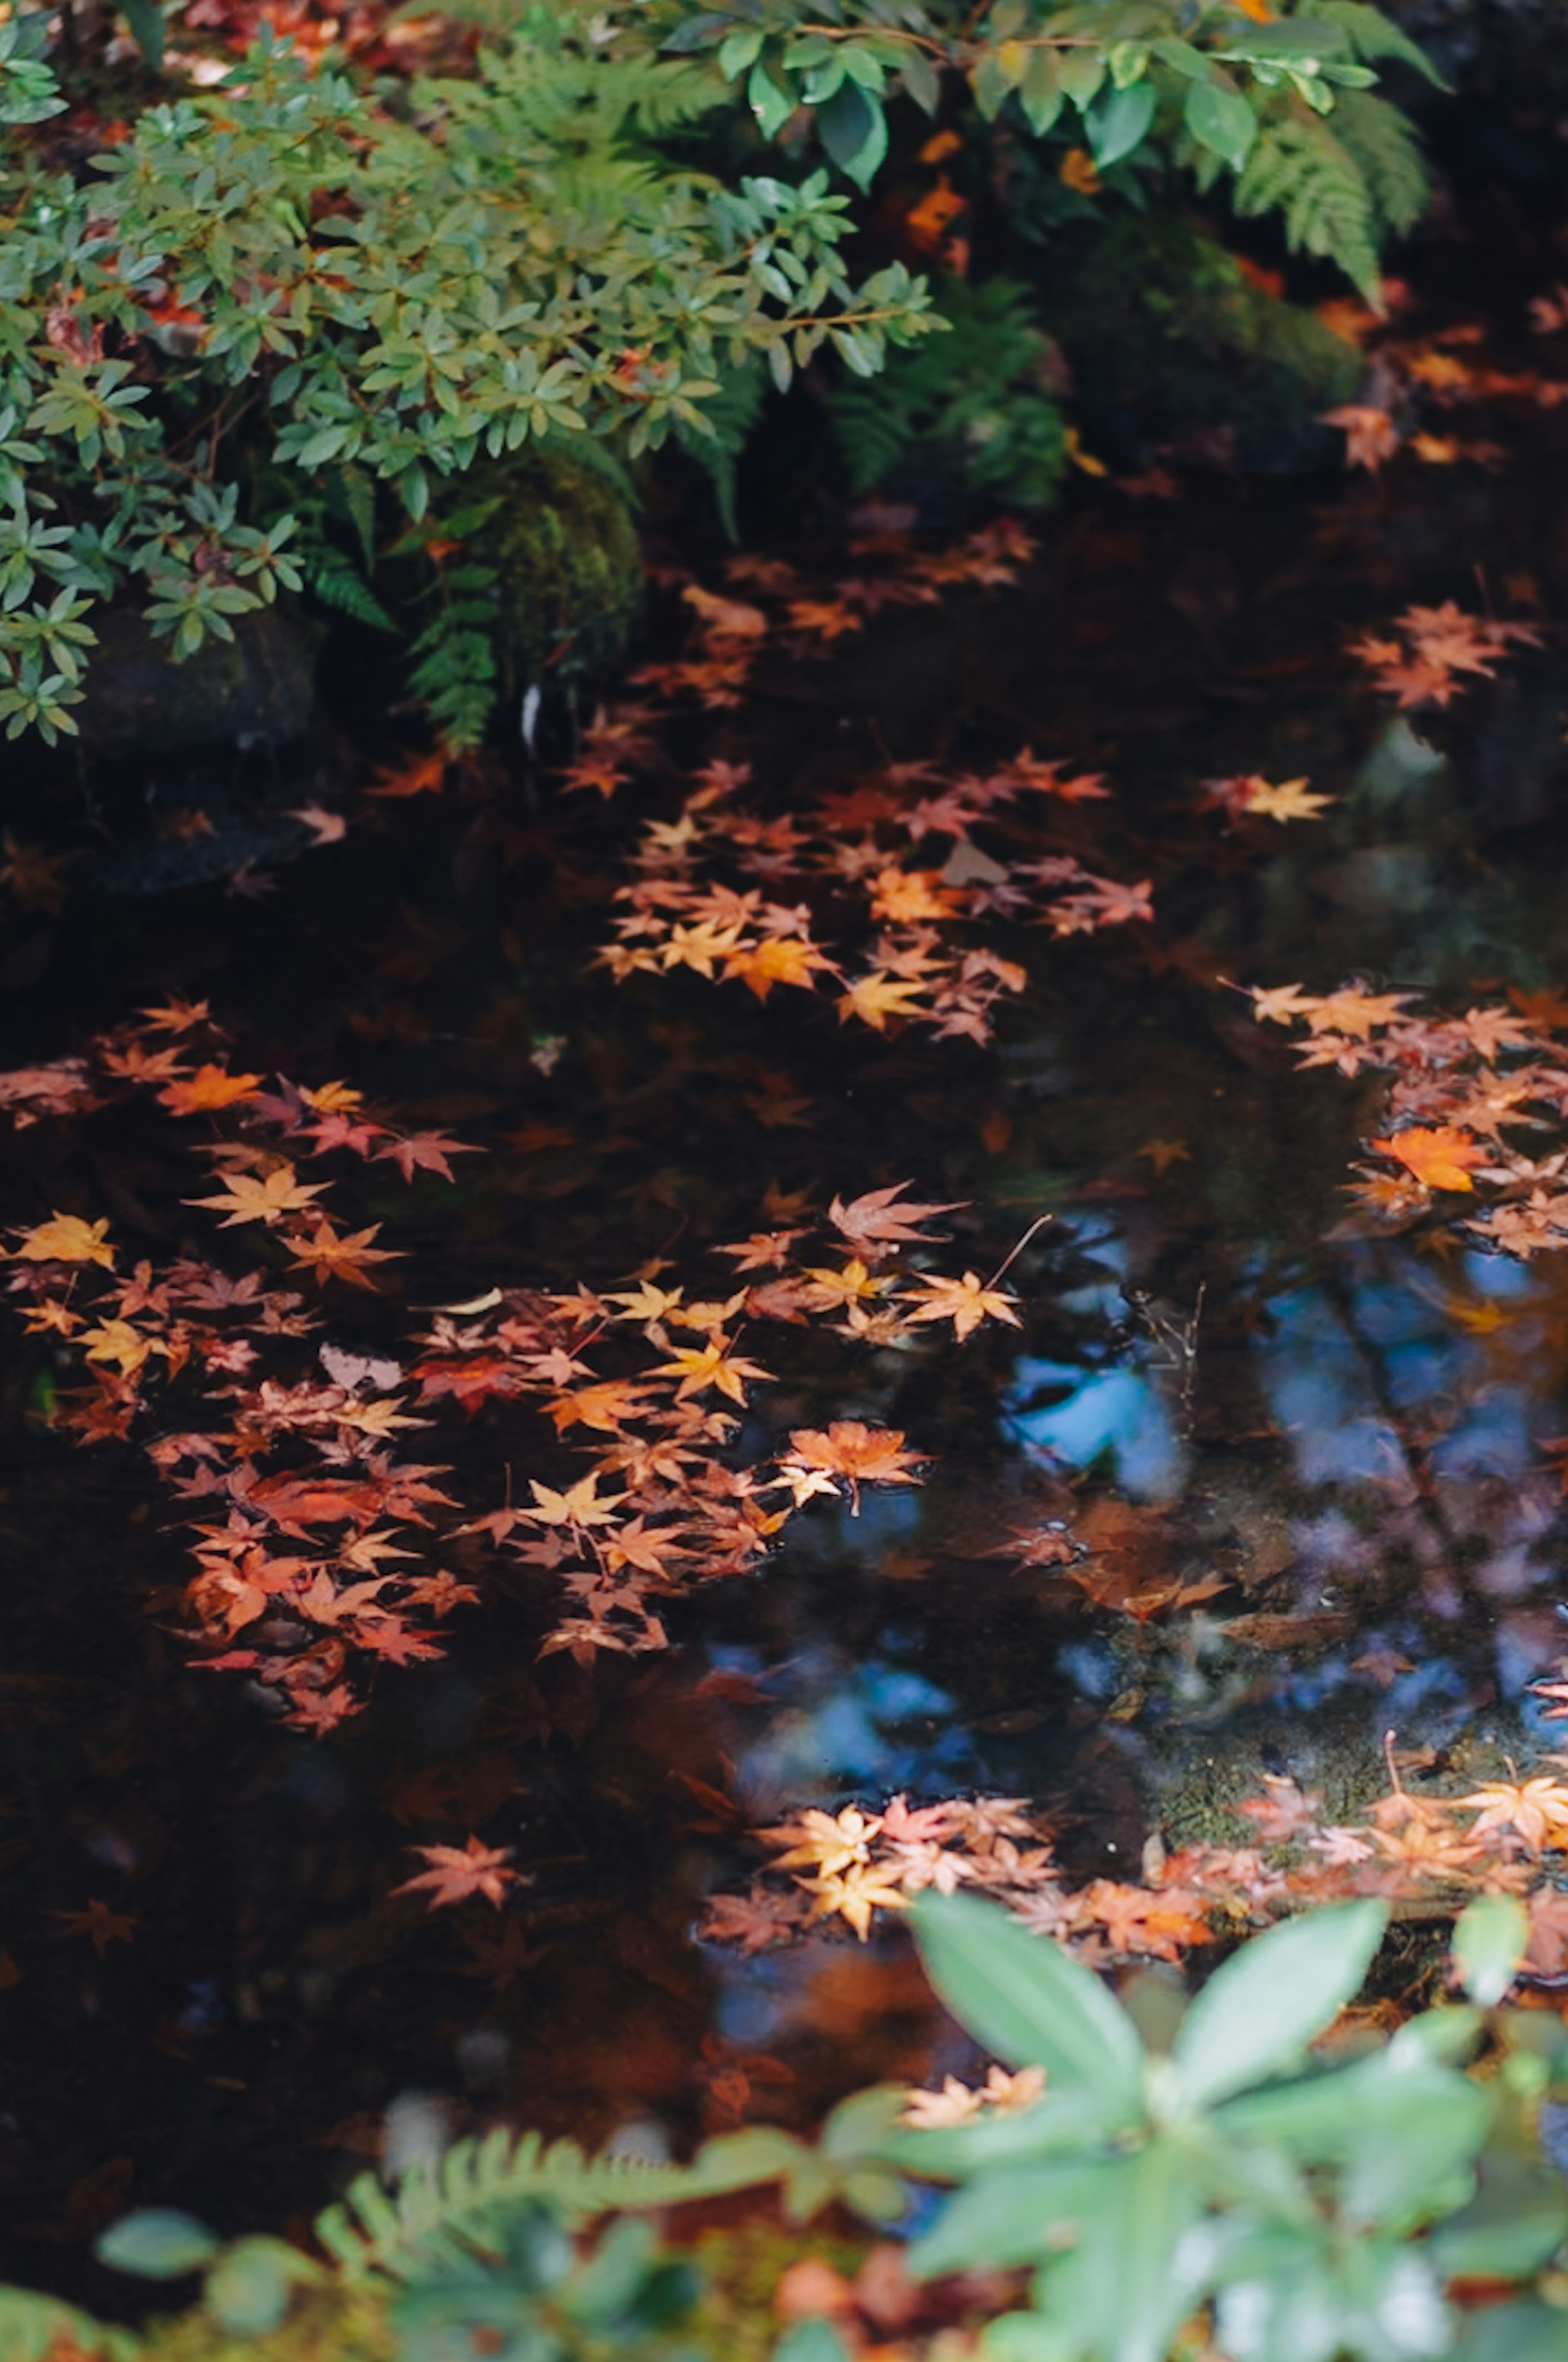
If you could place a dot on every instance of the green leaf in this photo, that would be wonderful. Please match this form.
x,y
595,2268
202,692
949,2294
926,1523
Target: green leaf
x,y
1040,94
158,2244
1255,2015
248,2290
740,49
922,81
1117,122
1512,2227
1025,2000
854,132
811,2341
1081,73
771,106
1489,1941
1515,2332
1221,121
145,19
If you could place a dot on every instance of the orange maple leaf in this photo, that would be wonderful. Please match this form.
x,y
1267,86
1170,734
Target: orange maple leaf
x,y
861,1454
455,1872
779,959
209,1086
964,1302
875,997
904,895
332,1255
1437,1154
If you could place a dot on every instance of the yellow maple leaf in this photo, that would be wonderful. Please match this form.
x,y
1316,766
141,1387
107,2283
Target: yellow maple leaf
x,y
252,1199
853,1894
965,1302
875,997
1290,801
713,1364
66,1238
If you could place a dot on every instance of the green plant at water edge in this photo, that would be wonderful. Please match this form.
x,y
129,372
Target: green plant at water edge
x,y
1312,2207
261,342
1319,2208
276,306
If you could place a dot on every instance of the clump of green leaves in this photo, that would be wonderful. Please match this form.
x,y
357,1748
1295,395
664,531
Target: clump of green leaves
x,y
1320,2206
377,302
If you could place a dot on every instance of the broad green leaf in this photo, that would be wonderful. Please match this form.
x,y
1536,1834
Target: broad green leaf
x,y
1117,122
770,105
1025,2337
157,2243
854,132
1141,2260
1221,121
1489,1941
1412,2154
1319,2120
1318,2298
1515,2332
1040,93
1028,2001
921,80
1255,2015
1512,2227
1081,73
1014,2216
740,49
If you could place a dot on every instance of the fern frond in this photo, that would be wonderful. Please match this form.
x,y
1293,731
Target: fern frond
x,y
1299,169
32,2325
1372,35
336,584
1385,145
440,2210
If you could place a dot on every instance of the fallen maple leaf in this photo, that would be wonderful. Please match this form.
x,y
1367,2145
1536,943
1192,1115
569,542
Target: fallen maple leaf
x,y
209,1086
456,1872
100,1925
251,1199
965,1302
715,1364
66,1238
331,1254
1290,801
1437,1154
876,1221
875,997
425,1152
860,1454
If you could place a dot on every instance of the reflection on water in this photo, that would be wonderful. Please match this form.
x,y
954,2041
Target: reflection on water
x,y
1326,1449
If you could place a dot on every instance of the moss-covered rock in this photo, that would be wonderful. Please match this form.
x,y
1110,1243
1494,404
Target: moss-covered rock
x,y
562,534
1171,342
331,2323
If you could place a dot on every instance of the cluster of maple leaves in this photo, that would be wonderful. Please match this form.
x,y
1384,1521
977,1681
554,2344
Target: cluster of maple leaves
x,y
862,892
1436,651
1417,387
271,1463
1430,1847
304,1514
1458,1085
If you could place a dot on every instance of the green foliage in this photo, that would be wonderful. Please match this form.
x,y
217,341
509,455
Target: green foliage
x,y
978,398
1202,85
384,300
1317,2207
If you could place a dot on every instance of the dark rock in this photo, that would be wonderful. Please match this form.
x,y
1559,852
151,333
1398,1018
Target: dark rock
x,y
257,690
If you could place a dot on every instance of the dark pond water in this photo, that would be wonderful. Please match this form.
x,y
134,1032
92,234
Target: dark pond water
x,y
1355,1437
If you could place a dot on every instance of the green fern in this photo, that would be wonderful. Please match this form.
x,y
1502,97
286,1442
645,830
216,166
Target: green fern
x,y
1302,171
979,393
1383,143
337,585
1372,35
439,2211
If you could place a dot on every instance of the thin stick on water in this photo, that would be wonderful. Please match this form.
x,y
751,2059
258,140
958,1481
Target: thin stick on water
x,y
1037,1225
